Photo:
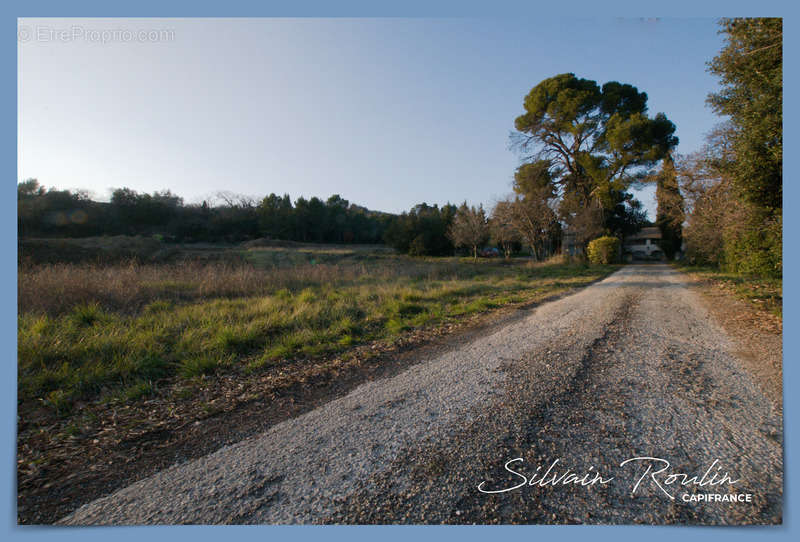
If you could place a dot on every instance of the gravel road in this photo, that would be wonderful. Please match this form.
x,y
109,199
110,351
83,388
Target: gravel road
x,y
630,367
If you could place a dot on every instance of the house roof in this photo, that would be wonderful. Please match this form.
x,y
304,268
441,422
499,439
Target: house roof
x,y
650,232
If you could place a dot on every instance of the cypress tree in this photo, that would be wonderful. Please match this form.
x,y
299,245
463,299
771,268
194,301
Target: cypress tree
x,y
670,214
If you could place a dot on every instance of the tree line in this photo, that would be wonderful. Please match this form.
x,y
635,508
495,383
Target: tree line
x,y
583,147
723,202
734,184
232,218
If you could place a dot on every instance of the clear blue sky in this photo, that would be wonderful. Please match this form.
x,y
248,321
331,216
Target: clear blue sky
x,y
385,112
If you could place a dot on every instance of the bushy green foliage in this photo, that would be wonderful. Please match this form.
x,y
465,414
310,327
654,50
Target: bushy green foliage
x,y
754,248
750,68
164,215
603,250
335,220
422,231
589,144
725,230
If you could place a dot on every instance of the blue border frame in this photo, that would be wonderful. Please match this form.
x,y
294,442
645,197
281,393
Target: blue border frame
x,y
366,8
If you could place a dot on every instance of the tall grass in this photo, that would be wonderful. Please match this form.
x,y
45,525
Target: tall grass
x,y
86,331
56,288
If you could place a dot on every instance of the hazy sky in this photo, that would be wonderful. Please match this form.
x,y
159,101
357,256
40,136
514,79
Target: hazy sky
x,y
385,112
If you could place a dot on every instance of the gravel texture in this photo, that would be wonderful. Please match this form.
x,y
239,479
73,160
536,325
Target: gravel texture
x,y
630,366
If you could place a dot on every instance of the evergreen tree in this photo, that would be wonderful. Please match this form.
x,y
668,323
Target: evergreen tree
x,y
670,214
750,68
589,143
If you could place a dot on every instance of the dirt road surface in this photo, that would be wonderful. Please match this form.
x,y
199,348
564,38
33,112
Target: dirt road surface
x,y
631,367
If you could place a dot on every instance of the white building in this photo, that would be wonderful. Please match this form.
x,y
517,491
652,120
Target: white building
x,y
643,245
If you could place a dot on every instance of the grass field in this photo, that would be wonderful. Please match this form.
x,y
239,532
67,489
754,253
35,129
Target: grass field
x,y
130,362
89,332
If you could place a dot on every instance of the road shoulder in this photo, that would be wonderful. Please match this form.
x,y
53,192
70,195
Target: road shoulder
x,y
756,333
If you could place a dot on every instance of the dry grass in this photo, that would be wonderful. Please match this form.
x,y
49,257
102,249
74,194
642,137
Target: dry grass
x,y
87,330
117,360
55,289
763,293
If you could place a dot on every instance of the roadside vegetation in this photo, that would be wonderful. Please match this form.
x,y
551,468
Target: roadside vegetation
x,y
764,293
91,332
734,185
120,361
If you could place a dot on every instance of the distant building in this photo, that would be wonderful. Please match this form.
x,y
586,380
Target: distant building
x,y
569,242
643,245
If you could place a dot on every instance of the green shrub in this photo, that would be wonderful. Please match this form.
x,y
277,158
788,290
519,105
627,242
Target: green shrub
x,y
604,250
754,250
